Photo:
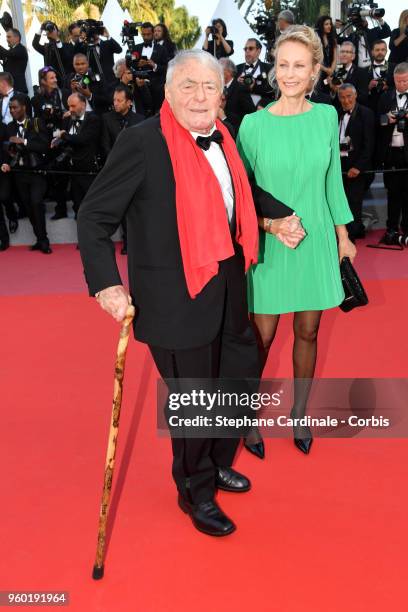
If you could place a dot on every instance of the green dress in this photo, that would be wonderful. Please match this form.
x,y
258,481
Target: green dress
x,y
296,158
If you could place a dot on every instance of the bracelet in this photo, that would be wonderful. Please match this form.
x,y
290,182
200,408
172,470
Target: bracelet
x,y
268,225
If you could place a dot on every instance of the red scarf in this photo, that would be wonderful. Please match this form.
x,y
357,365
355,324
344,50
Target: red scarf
x,y
202,221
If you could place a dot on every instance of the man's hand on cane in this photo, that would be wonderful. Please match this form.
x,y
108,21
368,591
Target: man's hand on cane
x,y
115,301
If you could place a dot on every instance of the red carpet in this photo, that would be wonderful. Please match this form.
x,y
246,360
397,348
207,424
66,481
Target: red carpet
x,y
325,532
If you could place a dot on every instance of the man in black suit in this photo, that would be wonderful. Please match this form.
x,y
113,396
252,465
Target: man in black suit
x,y
139,88
392,151
239,101
349,73
113,123
70,47
88,84
53,51
202,337
15,59
380,74
356,134
153,58
104,50
28,145
81,132
363,37
255,73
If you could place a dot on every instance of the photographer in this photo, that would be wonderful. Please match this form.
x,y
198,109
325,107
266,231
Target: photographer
x,y
239,102
70,47
285,20
218,46
380,74
392,152
88,84
162,37
399,40
356,135
105,49
15,59
6,199
26,149
363,37
327,34
348,72
253,74
79,140
53,51
139,88
6,93
154,59
113,123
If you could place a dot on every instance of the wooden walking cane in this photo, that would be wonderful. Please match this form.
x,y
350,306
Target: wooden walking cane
x,y
98,569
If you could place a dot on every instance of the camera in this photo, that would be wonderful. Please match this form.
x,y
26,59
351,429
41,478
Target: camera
x,y
130,29
339,74
63,149
358,11
265,27
83,80
48,26
345,144
6,21
248,80
400,118
213,28
91,28
52,115
16,151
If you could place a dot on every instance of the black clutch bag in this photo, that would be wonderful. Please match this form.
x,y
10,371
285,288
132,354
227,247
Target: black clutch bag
x,y
267,205
353,289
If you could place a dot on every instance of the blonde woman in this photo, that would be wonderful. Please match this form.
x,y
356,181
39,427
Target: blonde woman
x,y
291,150
399,41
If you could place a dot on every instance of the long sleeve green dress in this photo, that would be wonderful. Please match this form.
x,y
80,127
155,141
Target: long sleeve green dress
x,y
296,158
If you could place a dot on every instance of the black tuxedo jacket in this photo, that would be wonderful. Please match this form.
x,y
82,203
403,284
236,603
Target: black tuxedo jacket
x,y
137,181
15,61
112,125
370,35
37,138
239,103
387,102
57,57
359,78
142,97
361,130
373,95
159,57
107,50
85,143
261,87
320,97
100,101
38,101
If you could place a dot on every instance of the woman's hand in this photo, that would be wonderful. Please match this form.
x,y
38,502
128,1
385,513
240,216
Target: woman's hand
x,y
288,230
347,249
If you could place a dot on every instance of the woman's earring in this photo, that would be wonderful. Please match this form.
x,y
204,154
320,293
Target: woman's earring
x,y
313,78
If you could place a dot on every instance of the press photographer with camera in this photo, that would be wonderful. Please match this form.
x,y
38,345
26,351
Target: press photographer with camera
x,y
239,102
53,51
328,37
6,199
253,74
380,74
139,88
88,84
15,59
100,53
153,58
27,145
347,72
392,152
399,40
78,144
162,37
362,36
218,46
356,137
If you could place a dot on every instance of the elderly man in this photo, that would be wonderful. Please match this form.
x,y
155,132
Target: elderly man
x,y
349,73
192,232
239,102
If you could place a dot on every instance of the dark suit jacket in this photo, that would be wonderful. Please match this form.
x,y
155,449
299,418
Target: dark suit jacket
x,y
54,56
370,34
374,95
37,140
398,54
261,87
15,61
239,103
387,102
138,181
107,50
38,101
321,97
359,78
142,97
159,57
361,130
85,143
112,125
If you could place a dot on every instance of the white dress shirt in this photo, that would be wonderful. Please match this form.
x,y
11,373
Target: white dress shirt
x,y
377,69
364,58
147,51
218,163
73,128
5,110
254,74
342,132
398,137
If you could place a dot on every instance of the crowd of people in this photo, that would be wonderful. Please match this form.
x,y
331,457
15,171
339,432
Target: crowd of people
x,y
54,143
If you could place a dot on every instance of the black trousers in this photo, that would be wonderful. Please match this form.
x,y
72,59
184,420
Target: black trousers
x,y
31,190
232,354
5,199
79,188
396,184
355,189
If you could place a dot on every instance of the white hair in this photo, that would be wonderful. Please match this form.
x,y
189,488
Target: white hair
x,y
120,62
348,43
196,55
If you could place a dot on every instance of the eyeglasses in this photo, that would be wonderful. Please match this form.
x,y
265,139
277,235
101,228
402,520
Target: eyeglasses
x,y
249,48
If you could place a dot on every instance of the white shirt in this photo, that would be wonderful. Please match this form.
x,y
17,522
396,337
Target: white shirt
x,y
147,51
364,58
73,129
342,132
377,69
398,137
218,163
5,111
254,74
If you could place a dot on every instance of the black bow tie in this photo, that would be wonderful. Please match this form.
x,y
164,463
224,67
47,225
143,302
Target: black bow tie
x,y
204,142
401,95
247,66
148,44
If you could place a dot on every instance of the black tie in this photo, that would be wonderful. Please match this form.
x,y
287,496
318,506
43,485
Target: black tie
x,y
148,44
401,95
248,66
204,142
20,127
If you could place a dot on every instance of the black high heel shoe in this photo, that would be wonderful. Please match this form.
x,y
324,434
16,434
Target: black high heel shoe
x,y
257,447
305,442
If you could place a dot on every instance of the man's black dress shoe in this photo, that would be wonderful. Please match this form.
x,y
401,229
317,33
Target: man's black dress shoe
x,y
35,247
45,248
13,226
4,245
257,449
207,517
228,479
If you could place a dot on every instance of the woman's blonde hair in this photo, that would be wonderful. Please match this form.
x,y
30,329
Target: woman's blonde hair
x,y
403,20
307,37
